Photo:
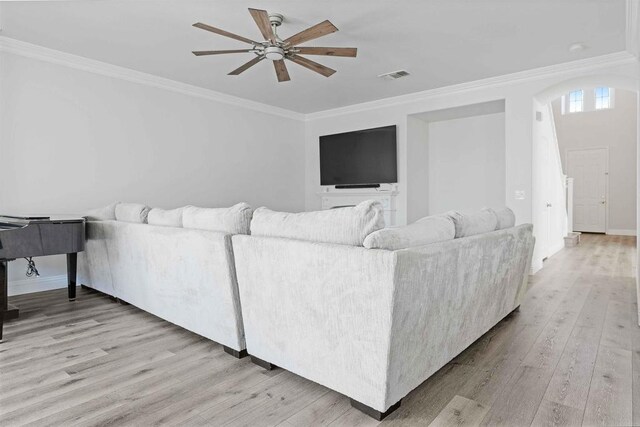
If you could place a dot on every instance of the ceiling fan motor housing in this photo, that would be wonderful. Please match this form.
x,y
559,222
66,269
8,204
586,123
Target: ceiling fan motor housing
x,y
274,53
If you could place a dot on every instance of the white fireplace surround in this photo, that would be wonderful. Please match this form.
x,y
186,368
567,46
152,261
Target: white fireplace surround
x,y
386,194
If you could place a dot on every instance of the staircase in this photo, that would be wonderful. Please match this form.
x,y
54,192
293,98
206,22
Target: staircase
x,y
571,238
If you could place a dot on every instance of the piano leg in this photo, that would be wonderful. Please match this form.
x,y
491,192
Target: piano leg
x,y
72,270
7,311
3,294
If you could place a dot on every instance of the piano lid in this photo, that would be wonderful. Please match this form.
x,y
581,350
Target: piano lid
x,y
26,218
39,219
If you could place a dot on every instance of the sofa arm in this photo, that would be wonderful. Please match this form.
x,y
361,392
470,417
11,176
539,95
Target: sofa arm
x,y
320,310
93,263
448,295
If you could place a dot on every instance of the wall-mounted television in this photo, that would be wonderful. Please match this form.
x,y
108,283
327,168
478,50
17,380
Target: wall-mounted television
x,y
363,157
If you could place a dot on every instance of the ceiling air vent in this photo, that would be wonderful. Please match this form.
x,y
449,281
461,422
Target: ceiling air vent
x,y
394,75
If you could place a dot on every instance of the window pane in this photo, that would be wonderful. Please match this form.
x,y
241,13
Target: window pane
x,y
603,98
576,101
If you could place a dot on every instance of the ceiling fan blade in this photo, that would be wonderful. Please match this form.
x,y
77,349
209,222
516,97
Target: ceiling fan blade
x,y
281,70
262,19
244,67
328,51
219,52
318,30
223,32
313,66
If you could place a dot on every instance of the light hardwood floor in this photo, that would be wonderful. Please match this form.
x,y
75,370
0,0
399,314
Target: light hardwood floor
x,y
571,355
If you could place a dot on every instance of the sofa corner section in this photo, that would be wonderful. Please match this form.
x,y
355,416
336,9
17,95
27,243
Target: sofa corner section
x,y
332,322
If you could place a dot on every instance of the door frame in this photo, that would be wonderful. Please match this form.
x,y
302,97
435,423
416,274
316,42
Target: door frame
x,y
606,181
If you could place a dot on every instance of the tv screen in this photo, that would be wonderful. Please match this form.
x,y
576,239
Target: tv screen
x,y
360,157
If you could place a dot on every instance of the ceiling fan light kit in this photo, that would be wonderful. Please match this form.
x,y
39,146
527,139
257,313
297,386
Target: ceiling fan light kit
x,y
276,49
274,53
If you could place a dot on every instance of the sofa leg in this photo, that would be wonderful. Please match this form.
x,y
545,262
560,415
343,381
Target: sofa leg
x,y
372,412
263,363
516,310
235,353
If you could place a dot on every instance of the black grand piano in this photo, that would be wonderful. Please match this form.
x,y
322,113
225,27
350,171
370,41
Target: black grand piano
x,y
26,237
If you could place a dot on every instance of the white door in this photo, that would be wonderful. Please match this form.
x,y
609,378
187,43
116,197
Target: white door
x,y
589,169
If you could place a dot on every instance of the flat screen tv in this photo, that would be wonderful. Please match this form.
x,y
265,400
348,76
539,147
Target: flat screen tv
x,y
362,157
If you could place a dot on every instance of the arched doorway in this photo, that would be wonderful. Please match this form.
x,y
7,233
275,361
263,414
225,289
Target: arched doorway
x,y
541,103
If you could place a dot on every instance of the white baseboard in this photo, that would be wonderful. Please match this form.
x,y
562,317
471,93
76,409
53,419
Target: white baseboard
x,y
621,232
37,284
535,267
556,248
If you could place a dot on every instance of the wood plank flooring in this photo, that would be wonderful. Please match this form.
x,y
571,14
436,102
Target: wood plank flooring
x,y
570,356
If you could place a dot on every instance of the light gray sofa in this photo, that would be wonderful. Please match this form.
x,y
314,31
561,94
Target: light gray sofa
x,y
183,275
373,324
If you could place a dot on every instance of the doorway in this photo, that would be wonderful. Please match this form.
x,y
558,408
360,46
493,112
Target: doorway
x,y
589,169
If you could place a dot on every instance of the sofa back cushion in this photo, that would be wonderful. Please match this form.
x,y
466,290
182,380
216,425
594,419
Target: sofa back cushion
x,y
107,213
430,229
132,212
165,217
506,218
345,226
233,220
471,224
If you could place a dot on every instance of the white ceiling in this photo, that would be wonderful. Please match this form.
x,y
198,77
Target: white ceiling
x,y
440,42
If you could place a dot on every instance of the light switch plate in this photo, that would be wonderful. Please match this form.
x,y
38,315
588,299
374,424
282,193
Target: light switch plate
x,y
520,195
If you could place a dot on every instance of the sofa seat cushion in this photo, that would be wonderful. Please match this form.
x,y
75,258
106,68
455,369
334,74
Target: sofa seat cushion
x,y
471,224
107,213
165,217
233,220
346,226
430,229
132,212
506,218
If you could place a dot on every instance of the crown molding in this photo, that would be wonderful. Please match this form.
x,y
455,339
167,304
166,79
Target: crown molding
x,y
581,65
633,27
77,62
17,47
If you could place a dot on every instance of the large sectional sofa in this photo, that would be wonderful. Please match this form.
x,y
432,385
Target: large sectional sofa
x,y
333,296
177,265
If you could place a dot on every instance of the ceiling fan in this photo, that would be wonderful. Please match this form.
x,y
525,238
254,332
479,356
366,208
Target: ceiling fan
x,y
276,49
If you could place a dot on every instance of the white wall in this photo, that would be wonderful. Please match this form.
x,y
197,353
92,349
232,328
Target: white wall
x,y
549,197
518,118
518,91
71,140
467,163
616,129
417,169
61,115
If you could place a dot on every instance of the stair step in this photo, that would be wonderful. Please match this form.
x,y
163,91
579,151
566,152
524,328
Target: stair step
x,y
572,239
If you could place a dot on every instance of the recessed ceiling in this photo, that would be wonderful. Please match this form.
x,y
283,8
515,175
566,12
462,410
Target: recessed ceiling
x,y
439,42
